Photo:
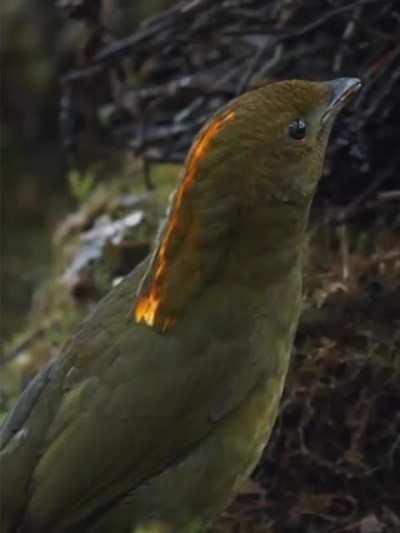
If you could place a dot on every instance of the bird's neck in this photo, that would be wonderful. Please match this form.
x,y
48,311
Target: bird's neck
x,y
267,245
249,248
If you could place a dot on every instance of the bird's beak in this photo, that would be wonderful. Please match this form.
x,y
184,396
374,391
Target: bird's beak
x,y
340,91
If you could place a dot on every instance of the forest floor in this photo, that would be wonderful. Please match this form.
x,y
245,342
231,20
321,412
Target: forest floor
x,y
333,463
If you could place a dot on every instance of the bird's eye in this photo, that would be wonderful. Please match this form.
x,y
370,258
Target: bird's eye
x,y
297,129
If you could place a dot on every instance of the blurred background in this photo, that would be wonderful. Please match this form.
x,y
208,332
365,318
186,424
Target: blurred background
x,y
39,44
153,93
100,103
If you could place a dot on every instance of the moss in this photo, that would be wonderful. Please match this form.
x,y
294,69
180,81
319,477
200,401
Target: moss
x,y
102,241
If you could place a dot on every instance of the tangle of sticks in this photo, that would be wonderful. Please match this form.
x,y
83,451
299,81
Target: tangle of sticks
x,y
152,90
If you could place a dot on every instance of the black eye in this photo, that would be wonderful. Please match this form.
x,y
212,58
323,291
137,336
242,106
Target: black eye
x,y
297,129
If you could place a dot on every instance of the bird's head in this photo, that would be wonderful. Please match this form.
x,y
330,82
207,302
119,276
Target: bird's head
x,y
247,184
268,145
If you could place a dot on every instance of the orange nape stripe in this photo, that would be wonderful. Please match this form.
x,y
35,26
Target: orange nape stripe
x,y
148,304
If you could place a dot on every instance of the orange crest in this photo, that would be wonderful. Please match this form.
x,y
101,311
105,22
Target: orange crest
x,y
149,302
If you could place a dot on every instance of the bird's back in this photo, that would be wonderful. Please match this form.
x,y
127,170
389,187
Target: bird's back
x,y
121,403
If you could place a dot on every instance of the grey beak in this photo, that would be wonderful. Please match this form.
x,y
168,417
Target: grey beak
x,y
341,90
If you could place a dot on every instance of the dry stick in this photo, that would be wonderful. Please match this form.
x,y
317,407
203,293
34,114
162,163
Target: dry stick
x,y
297,33
352,208
182,23
344,252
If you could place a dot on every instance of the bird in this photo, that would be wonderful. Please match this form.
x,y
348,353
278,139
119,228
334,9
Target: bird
x,y
159,407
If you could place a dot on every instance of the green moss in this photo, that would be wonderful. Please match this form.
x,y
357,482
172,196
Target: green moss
x,y
84,268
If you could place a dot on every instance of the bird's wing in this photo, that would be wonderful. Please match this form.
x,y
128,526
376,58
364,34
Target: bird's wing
x,y
121,404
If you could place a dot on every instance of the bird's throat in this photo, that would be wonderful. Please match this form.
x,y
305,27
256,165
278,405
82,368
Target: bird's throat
x,y
267,246
249,249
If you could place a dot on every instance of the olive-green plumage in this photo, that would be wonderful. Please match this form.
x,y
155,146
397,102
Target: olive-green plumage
x,y
161,404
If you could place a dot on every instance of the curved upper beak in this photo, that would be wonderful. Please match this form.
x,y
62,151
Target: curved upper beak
x,y
341,90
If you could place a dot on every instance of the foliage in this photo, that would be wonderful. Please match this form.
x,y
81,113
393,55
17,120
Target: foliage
x,y
81,184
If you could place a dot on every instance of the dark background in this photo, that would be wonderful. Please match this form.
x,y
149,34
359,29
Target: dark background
x,y
39,44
